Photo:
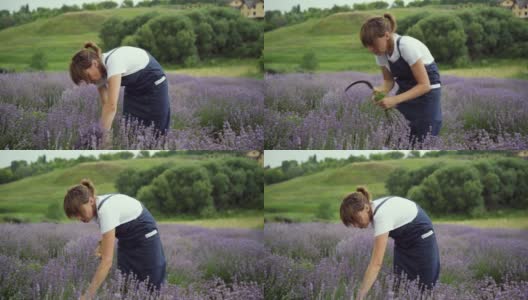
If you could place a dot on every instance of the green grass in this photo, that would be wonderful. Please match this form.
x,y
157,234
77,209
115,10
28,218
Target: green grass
x,y
335,42
61,36
28,199
299,198
234,219
222,68
504,219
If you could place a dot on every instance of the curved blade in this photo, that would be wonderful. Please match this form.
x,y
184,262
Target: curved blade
x,y
358,82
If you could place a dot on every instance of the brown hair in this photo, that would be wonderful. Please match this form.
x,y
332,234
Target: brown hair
x,y
353,204
376,27
82,60
76,196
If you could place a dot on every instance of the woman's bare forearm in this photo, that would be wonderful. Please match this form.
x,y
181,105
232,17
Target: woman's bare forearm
x,y
100,275
386,87
107,116
368,279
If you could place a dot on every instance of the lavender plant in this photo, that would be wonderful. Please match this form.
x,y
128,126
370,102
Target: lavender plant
x,y
306,111
47,111
56,261
327,261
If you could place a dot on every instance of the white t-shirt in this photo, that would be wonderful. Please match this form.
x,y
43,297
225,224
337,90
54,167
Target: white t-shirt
x,y
124,60
394,213
116,210
411,49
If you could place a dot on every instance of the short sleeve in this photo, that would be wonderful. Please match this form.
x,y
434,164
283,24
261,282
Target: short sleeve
x,y
108,220
115,65
382,225
410,52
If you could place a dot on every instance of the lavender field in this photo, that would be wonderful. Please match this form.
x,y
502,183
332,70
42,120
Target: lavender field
x,y
327,261
47,111
56,261
311,111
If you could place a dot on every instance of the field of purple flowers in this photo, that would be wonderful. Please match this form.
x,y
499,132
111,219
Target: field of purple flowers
x,y
327,261
56,261
307,111
47,111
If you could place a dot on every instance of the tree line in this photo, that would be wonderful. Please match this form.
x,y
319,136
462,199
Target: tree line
x,y
292,168
196,189
275,18
472,188
195,35
26,15
19,169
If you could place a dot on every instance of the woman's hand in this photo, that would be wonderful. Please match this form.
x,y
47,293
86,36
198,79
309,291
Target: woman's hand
x,y
378,93
85,297
361,295
106,143
388,102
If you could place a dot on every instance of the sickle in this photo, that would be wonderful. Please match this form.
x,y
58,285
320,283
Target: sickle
x,y
372,88
358,82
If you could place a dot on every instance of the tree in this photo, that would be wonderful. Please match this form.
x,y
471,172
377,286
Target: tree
x,y
398,4
452,189
444,35
111,32
127,4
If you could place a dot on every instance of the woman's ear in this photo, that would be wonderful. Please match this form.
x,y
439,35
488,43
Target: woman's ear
x,y
95,63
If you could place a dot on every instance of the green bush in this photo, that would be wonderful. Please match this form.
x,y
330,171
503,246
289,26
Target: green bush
x,y
39,61
309,62
324,211
444,35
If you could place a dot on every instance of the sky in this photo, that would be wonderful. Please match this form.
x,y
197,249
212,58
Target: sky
x,y
274,158
6,156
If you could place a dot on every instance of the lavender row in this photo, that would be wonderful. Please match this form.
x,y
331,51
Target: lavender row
x,y
306,111
46,111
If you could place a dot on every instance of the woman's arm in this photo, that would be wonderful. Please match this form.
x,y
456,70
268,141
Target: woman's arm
x,y
107,246
376,260
109,97
423,86
388,82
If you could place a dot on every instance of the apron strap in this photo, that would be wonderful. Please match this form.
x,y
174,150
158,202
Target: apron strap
x,y
103,201
398,47
108,56
382,202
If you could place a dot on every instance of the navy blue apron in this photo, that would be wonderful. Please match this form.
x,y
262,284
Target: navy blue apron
x,y
425,112
415,249
146,95
139,248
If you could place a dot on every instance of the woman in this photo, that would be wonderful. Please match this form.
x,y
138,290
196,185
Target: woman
x,y
139,248
146,95
415,248
407,61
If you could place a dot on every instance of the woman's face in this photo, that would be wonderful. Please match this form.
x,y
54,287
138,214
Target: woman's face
x,y
380,45
93,72
362,218
86,211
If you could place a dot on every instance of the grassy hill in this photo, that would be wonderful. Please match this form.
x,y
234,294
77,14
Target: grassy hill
x,y
29,198
61,36
335,42
298,199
